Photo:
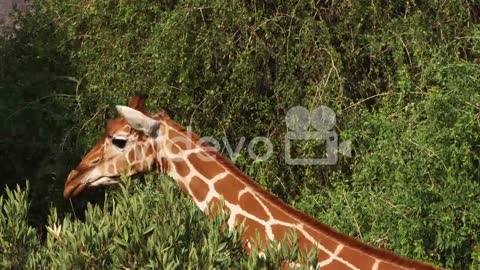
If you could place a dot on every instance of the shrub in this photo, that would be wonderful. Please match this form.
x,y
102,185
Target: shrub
x,y
139,226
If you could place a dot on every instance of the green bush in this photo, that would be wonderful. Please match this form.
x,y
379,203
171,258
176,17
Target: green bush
x,y
140,226
17,238
402,77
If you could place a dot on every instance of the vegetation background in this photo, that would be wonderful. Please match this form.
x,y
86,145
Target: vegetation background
x,y
402,76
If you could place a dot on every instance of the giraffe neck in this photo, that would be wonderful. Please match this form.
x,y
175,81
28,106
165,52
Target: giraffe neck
x,y
211,179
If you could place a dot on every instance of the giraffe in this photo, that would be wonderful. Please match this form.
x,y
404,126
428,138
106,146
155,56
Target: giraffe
x,y
138,142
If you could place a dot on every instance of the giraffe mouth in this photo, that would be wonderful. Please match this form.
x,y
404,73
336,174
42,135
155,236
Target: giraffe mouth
x,y
76,186
104,181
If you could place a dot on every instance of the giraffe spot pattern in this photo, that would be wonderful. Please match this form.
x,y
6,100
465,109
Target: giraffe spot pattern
x,y
172,147
198,188
279,232
131,156
181,167
229,188
111,169
260,214
150,149
138,149
303,243
276,213
250,204
322,239
286,234
253,231
180,140
205,166
116,125
121,164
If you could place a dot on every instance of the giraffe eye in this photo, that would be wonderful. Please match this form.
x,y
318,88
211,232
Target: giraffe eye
x,y
120,143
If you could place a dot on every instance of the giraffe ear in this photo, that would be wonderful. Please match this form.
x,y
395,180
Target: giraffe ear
x,y
139,121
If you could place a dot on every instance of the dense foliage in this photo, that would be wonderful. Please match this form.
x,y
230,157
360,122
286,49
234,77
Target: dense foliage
x,y
403,78
136,228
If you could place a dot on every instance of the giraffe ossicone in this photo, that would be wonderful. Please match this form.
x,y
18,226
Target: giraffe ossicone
x,y
139,142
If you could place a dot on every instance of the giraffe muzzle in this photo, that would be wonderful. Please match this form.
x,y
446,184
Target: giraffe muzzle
x,y
77,182
73,188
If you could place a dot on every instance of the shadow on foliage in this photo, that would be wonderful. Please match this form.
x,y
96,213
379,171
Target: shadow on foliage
x,y
38,93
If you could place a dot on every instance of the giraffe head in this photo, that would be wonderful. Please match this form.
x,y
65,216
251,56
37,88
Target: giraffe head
x,y
128,146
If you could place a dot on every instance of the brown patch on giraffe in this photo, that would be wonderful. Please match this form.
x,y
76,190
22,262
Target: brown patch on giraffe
x,y
322,255
199,188
162,165
204,165
229,188
95,154
115,125
250,204
287,235
336,265
173,148
280,232
150,149
352,256
111,169
304,244
181,140
322,238
131,156
181,167
94,158
138,150
141,139
277,214
121,164
252,232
